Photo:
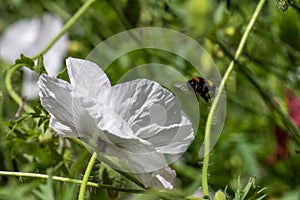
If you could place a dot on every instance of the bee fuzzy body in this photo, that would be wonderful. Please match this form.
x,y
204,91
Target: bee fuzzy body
x,y
205,88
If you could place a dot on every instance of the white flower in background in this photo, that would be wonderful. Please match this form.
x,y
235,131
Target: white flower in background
x,y
138,122
29,37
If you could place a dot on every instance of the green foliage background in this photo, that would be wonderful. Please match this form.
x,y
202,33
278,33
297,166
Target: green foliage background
x,y
272,53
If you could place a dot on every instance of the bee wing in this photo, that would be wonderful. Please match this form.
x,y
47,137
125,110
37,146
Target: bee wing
x,y
182,86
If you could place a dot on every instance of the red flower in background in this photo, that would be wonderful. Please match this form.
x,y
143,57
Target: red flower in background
x,y
281,151
293,107
282,138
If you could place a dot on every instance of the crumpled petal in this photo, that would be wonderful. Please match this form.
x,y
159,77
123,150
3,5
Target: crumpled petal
x,y
87,78
137,162
154,114
29,37
161,178
139,122
56,98
136,116
137,105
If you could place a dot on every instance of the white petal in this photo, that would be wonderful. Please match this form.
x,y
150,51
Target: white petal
x,y
137,121
86,125
30,89
108,120
116,130
160,179
36,33
163,182
138,105
87,78
182,140
127,110
173,139
51,26
61,129
19,38
131,150
56,98
153,114
148,160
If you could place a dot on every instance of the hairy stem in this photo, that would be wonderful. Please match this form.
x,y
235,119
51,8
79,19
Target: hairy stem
x,y
69,180
217,99
269,100
16,97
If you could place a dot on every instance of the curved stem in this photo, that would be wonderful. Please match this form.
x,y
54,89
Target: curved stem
x,y
12,93
27,108
217,99
66,27
86,176
69,180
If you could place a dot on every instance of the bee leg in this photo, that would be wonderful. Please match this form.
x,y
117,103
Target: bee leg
x,y
205,98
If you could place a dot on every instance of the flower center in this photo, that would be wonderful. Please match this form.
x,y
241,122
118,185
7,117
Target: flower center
x,y
158,114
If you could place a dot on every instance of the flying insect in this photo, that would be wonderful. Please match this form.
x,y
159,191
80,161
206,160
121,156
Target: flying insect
x,y
200,86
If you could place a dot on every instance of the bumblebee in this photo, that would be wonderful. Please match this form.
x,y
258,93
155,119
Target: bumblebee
x,y
205,88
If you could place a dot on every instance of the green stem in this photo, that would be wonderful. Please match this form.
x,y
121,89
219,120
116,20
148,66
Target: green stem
x,y
66,27
217,99
86,176
69,180
11,90
166,194
269,100
295,6
103,159
27,108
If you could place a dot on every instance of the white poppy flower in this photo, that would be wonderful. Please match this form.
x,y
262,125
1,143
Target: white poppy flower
x,y
138,122
29,37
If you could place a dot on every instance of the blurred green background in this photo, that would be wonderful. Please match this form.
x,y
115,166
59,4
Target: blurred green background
x,y
248,145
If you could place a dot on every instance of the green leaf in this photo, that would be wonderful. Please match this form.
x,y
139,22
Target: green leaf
x,y
62,73
26,61
249,192
40,68
17,191
111,177
45,191
251,183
